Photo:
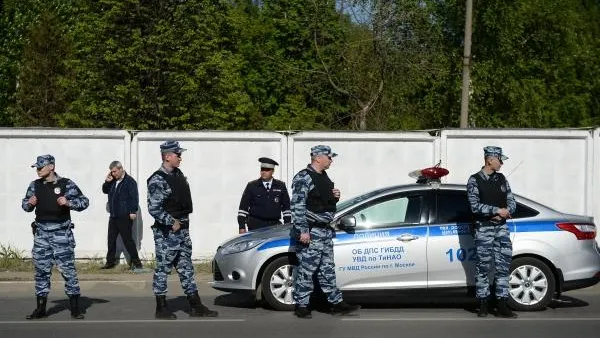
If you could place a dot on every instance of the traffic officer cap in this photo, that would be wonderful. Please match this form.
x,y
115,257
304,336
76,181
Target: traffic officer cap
x,y
43,161
494,152
171,146
322,150
268,163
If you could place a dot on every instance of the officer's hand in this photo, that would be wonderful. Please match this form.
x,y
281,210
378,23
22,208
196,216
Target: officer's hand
x,y
176,226
109,177
32,200
132,216
504,213
305,238
243,231
62,201
336,193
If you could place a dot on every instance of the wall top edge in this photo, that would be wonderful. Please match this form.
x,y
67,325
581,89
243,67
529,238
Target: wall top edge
x,y
63,133
215,135
519,133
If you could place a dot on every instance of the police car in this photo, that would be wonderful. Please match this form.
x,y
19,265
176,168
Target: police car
x,y
418,238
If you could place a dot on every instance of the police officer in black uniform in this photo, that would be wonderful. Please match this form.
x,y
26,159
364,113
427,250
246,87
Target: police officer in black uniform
x,y
264,200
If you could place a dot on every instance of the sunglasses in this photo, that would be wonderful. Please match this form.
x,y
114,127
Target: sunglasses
x,y
266,169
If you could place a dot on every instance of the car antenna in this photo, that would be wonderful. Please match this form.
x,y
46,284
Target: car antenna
x,y
515,168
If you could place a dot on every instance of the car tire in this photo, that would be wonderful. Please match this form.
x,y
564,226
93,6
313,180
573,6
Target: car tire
x,y
531,284
277,284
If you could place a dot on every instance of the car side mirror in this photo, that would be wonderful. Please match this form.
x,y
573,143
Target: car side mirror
x,y
348,222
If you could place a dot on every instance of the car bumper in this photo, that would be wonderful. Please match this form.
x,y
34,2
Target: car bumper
x,y
233,272
581,283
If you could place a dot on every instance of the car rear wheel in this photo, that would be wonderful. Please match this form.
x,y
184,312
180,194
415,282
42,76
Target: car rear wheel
x,y
277,284
531,284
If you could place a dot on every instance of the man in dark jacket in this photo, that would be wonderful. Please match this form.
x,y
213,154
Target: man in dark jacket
x,y
123,200
264,201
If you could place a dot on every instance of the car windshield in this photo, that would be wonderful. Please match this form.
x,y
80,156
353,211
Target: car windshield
x,y
350,202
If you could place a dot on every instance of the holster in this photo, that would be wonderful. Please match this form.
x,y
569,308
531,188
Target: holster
x,y
165,229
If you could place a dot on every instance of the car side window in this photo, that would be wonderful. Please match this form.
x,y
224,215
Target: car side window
x,y
389,212
524,211
453,207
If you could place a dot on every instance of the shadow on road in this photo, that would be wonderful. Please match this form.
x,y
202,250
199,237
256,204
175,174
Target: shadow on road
x,y
84,303
567,302
390,301
238,300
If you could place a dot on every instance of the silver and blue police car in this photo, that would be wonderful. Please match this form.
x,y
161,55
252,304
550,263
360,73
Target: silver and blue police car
x,y
418,239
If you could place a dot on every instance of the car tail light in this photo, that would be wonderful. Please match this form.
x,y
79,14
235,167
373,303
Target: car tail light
x,y
581,230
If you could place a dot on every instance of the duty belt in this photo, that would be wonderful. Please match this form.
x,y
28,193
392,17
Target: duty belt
x,y
264,219
166,228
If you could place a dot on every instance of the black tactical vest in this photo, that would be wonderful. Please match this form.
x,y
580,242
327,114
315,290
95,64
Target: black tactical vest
x,y
493,190
47,208
321,198
179,203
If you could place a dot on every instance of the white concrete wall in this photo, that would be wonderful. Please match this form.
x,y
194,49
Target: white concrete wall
x,y
81,155
554,167
366,161
218,165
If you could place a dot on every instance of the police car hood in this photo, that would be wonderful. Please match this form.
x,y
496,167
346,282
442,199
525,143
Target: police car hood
x,y
272,232
269,232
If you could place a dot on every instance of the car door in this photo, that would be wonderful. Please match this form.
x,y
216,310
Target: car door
x,y
451,250
387,248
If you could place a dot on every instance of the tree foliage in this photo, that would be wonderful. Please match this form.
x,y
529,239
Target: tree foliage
x,y
296,64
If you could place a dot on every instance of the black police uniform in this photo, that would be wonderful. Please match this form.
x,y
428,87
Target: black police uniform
x,y
260,207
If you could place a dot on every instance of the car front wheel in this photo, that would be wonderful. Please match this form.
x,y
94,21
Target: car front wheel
x,y
531,284
277,284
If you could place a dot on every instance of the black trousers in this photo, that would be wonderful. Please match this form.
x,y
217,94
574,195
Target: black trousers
x,y
123,227
254,223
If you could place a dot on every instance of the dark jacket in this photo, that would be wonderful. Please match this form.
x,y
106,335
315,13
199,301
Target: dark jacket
x,y
124,199
265,205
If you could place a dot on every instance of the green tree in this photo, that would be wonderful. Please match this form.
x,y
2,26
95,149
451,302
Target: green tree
x,y
40,95
160,65
283,75
535,64
18,19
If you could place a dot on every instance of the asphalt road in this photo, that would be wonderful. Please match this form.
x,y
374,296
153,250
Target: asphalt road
x,y
125,309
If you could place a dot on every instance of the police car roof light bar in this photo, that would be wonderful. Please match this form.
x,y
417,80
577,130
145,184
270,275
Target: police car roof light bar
x,y
429,175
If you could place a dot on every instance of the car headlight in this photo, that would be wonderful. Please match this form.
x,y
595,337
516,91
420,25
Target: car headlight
x,y
240,246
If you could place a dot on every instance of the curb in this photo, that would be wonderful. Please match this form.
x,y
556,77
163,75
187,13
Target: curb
x,y
27,277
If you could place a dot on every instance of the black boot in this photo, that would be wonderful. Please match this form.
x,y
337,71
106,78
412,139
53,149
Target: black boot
x,y
162,311
197,309
302,312
483,308
136,264
108,266
343,308
503,310
74,307
40,310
